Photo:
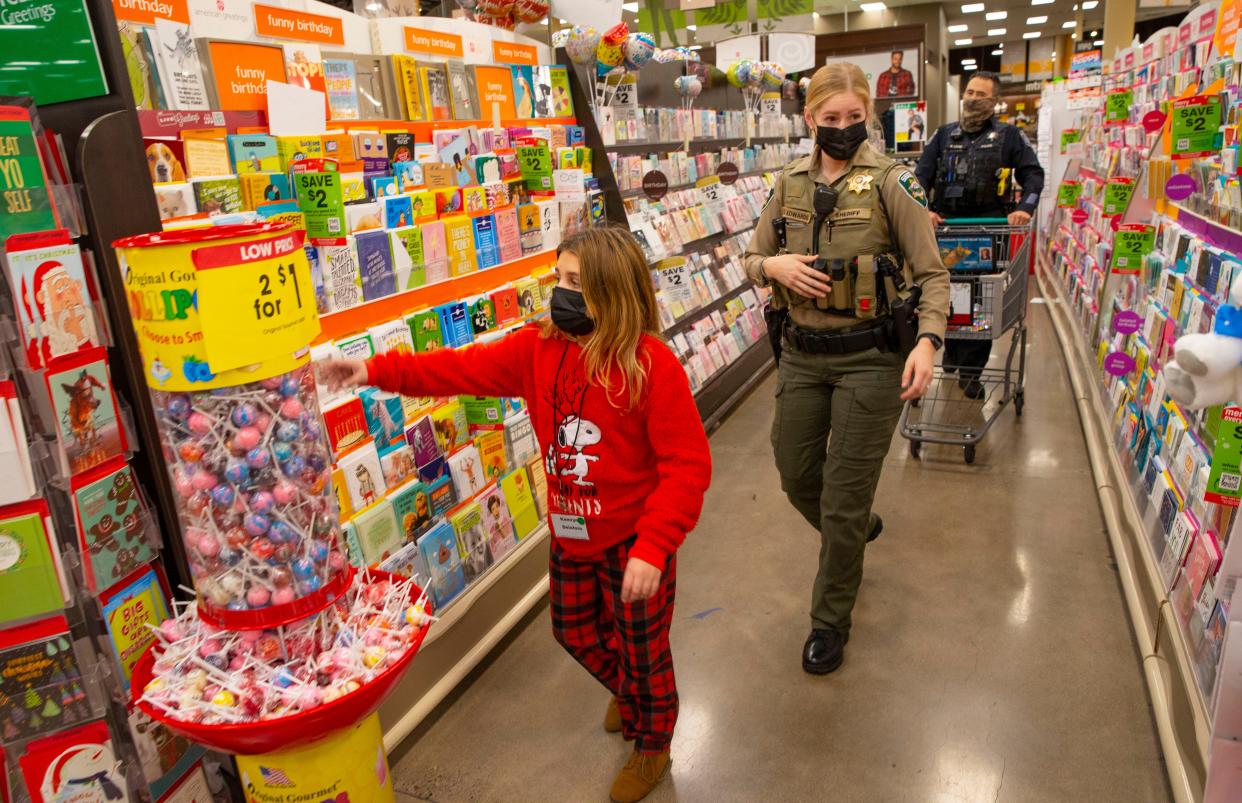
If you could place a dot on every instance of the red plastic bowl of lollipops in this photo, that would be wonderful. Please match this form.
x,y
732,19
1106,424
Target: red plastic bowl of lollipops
x,y
260,736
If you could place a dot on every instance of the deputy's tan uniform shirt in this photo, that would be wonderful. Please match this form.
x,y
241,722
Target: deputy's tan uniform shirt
x,y
858,227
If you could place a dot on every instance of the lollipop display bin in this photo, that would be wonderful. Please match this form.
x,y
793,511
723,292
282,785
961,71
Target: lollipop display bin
x,y
286,646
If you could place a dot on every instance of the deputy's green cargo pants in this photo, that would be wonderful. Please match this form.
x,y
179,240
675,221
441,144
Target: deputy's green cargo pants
x,y
848,403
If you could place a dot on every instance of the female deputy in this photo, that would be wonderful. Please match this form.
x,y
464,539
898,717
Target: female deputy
x,y
847,247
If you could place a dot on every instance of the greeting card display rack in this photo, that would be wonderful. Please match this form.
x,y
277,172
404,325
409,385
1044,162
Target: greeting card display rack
x,y
690,184
1131,270
86,512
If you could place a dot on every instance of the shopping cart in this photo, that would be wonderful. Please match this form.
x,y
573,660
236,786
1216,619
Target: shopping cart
x,y
989,265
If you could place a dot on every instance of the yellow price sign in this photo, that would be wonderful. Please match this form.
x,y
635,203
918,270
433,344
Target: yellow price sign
x,y
256,300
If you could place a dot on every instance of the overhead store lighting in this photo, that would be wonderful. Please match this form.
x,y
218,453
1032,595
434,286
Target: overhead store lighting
x,y
960,42
633,7
873,7
967,61
958,28
972,8
1069,24
1095,33
692,27
1098,43
1036,20
1042,2
1031,35
969,67
998,52
1090,4
997,31
996,15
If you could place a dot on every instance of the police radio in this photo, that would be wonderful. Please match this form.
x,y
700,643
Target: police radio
x,y
824,201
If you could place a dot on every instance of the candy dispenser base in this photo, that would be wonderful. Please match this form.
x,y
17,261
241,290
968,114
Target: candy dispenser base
x,y
349,764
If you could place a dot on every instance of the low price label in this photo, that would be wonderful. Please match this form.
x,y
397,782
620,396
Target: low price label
x,y
1131,243
1226,477
535,162
255,300
1117,195
1069,136
322,201
675,282
1195,123
1117,106
1067,194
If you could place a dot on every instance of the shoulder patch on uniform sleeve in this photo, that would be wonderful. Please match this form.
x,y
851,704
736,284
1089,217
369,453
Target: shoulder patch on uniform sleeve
x,y
912,187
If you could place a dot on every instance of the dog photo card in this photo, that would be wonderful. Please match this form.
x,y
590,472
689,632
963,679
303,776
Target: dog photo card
x,y
112,519
88,426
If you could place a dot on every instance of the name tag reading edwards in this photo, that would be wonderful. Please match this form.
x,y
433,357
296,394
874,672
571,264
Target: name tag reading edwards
x,y
798,215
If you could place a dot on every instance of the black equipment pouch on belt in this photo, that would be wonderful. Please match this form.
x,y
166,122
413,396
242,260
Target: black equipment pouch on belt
x,y
777,320
903,311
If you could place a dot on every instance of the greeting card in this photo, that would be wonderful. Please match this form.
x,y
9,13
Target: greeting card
x,y
139,600
51,296
32,579
112,520
88,426
40,682
77,765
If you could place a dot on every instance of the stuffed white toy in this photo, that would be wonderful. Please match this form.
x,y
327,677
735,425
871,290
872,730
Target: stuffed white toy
x,y
1207,368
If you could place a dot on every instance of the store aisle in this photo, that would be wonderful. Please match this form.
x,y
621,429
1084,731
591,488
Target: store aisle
x,y
991,657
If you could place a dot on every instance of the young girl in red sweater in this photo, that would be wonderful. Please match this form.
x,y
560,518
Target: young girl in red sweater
x,y
627,463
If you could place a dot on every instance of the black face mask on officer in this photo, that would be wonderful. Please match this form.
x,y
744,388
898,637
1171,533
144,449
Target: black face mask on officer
x,y
569,312
841,143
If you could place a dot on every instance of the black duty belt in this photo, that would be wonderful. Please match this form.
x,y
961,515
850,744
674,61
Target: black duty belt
x,y
846,341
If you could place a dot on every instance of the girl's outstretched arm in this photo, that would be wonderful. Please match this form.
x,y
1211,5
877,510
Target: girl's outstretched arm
x,y
498,368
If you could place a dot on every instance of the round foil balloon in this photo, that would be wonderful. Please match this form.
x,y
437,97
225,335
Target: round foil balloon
x,y
583,39
610,53
494,8
530,10
639,48
695,87
773,75
682,84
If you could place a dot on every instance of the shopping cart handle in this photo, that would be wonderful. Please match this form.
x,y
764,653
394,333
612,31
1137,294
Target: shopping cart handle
x,y
977,221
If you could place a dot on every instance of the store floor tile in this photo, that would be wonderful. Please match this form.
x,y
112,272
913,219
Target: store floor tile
x,y
991,656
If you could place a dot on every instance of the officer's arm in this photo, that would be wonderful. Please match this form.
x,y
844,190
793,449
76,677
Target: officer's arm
x,y
925,171
763,242
1027,170
912,229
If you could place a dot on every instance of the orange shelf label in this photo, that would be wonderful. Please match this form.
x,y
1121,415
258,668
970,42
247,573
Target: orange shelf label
x,y
281,23
146,12
418,40
513,53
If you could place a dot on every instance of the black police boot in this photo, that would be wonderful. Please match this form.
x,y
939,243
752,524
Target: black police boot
x,y
823,652
973,388
876,528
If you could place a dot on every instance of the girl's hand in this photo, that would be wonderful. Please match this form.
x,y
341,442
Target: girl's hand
x,y
641,581
793,272
338,374
918,373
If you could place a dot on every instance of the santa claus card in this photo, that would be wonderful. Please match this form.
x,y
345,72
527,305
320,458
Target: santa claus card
x,y
52,296
113,522
88,425
78,765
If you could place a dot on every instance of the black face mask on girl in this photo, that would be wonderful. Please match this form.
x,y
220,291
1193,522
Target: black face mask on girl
x,y
569,312
841,143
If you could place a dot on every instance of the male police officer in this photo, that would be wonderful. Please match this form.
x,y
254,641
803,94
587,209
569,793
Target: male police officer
x,y
968,170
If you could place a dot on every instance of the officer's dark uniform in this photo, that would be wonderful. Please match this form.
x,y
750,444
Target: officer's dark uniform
x,y
838,393
971,174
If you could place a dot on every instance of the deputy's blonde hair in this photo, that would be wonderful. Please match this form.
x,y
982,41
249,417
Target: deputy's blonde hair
x,y
616,283
837,77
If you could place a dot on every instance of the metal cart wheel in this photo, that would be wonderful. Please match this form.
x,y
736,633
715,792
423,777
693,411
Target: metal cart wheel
x,y
916,448
1019,400
970,454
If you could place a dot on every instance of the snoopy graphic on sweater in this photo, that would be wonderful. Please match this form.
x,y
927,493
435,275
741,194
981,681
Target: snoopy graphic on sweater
x,y
567,457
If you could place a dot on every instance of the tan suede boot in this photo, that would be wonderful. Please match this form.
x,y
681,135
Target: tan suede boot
x,y
639,776
612,717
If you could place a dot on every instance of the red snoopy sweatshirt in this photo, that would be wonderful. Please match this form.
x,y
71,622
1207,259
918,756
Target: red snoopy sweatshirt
x,y
623,473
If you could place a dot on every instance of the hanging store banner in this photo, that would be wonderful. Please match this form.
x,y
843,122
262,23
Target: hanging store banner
x,y
793,51
741,47
725,20
786,15
666,25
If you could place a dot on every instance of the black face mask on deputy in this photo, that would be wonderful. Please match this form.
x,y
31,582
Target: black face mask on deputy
x,y
841,143
569,312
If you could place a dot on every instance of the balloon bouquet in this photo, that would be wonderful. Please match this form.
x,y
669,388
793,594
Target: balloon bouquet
x,y
506,13
613,54
753,78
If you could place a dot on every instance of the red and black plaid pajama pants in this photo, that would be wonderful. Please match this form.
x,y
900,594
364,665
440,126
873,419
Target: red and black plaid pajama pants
x,y
624,646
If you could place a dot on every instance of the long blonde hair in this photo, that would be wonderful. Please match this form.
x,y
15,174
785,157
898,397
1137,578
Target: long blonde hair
x,y
837,77
616,283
